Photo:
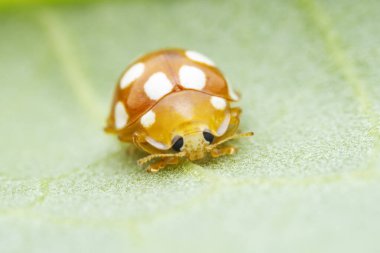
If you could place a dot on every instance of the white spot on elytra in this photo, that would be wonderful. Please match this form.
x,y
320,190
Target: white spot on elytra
x,y
132,74
148,119
218,103
192,77
195,56
121,116
157,86
232,94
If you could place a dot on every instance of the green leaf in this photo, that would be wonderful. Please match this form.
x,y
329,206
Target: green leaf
x,y
308,181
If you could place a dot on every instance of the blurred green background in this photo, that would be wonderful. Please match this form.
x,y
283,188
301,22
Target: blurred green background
x,y
307,182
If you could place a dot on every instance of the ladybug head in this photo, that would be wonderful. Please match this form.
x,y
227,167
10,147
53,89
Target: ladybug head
x,y
193,144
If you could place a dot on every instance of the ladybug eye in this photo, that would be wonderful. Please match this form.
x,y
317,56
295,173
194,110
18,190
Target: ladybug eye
x,y
177,143
208,137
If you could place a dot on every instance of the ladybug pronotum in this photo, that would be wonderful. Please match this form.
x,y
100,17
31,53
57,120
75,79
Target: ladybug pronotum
x,y
173,104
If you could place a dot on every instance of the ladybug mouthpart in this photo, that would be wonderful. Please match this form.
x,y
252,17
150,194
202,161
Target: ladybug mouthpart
x,y
195,146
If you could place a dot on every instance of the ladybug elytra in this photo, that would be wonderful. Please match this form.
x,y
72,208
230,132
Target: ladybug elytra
x,y
172,104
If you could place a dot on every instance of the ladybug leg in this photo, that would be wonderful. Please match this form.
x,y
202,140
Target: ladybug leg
x,y
155,167
235,112
138,139
229,150
234,123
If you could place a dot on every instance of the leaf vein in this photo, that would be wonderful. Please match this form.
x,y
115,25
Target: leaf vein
x,y
62,47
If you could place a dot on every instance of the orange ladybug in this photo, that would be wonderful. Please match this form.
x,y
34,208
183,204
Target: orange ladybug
x,y
174,103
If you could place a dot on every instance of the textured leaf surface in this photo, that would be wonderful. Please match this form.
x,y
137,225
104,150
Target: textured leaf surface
x,y
307,182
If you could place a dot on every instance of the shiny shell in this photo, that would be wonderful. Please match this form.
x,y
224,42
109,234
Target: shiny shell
x,y
157,75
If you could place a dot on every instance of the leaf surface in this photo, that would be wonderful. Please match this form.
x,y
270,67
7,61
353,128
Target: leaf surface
x,y
308,181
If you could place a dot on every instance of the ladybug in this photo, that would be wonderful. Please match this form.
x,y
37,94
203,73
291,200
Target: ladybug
x,y
173,104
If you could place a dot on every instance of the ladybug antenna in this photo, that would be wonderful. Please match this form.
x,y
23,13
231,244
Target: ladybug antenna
x,y
235,136
146,159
